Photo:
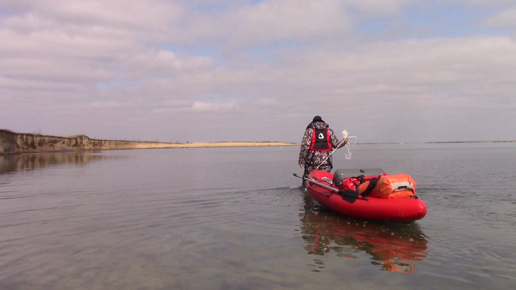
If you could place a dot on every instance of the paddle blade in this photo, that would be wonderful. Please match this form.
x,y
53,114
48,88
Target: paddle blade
x,y
349,195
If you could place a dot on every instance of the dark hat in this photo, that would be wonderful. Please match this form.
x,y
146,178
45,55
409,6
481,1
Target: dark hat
x,y
317,119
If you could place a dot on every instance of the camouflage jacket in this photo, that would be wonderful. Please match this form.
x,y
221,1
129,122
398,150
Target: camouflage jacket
x,y
314,158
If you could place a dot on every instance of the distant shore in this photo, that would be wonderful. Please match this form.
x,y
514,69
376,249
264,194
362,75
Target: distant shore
x,y
439,142
16,143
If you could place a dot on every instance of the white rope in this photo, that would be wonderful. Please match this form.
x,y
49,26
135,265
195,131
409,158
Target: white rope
x,y
348,156
330,154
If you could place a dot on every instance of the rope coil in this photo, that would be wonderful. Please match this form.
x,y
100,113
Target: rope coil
x,y
348,155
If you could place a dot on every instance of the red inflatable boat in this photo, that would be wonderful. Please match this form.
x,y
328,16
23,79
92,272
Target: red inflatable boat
x,y
377,196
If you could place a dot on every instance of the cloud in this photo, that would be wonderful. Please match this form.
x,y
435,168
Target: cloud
x,y
111,67
265,22
212,107
117,14
165,64
266,102
281,20
506,19
375,8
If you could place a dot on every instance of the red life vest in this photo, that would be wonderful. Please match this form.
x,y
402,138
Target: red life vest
x,y
321,140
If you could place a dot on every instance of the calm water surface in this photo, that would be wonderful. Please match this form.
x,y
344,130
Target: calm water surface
x,y
237,219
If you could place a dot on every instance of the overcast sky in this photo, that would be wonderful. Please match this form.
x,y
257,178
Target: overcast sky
x,y
215,70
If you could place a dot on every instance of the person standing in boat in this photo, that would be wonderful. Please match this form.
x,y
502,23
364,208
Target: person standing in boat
x,y
317,145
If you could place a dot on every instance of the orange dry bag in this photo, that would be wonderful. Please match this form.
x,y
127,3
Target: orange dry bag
x,y
391,186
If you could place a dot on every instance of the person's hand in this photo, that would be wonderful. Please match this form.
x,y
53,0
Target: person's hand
x,y
301,165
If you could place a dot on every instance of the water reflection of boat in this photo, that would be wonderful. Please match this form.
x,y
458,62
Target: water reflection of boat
x,y
393,247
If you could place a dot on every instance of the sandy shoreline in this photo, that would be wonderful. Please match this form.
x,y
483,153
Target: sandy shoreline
x,y
214,145
16,143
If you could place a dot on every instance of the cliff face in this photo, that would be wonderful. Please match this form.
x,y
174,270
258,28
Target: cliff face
x,y
11,143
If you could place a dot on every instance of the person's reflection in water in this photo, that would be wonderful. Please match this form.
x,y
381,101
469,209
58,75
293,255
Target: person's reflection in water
x,y
393,247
